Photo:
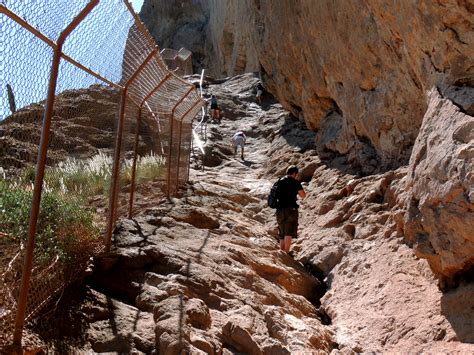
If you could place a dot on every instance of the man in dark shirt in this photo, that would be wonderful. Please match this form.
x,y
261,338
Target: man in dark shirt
x,y
289,188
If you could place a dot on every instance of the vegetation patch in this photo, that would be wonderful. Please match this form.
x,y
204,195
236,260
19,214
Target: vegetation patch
x,y
68,226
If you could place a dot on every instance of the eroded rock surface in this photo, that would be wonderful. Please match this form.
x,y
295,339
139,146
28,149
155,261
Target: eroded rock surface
x,y
355,70
83,124
440,204
202,273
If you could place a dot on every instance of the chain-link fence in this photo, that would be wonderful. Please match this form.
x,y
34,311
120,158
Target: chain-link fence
x,y
180,62
90,117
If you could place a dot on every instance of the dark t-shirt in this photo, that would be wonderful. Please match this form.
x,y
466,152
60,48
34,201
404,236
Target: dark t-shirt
x,y
287,191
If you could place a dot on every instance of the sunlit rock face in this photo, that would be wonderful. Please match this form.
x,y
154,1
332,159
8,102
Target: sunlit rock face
x,y
357,71
440,204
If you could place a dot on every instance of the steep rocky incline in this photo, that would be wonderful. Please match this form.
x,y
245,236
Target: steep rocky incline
x,y
202,273
357,71
83,124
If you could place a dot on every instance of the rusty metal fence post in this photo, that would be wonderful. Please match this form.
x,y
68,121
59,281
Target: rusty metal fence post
x,y
40,166
168,184
135,152
116,164
144,80
134,164
180,136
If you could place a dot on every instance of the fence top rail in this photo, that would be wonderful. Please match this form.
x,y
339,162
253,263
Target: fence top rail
x,y
137,47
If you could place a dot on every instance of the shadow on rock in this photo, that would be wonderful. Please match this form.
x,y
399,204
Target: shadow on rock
x,y
458,305
297,135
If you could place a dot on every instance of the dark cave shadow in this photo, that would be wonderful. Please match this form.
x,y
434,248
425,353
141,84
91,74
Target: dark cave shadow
x,y
267,101
461,320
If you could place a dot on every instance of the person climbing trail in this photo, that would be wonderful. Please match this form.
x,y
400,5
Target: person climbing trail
x,y
288,188
215,109
260,90
238,139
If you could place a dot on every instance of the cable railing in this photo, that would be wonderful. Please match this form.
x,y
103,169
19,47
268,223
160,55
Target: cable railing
x,y
91,119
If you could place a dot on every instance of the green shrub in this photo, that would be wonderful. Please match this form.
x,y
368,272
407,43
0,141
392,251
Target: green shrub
x,y
15,204
65,228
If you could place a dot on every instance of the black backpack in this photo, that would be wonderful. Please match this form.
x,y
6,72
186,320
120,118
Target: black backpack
x,y
272,199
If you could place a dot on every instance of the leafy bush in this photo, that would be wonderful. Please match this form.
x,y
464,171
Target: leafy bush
x,y
66,227
15,203
63,223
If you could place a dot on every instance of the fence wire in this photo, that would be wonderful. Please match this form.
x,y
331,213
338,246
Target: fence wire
x,y
119,127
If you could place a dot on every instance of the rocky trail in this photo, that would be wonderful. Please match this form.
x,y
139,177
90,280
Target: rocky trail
x,y
203,273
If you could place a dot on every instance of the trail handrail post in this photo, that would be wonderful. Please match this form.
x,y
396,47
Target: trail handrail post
x,y
40,167
118,144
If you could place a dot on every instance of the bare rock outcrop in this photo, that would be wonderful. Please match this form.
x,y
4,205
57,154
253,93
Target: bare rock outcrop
x,y
440,205
201,273
357,71
83,124
177,24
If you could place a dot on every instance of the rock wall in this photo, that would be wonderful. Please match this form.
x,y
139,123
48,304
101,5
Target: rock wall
x,y
176,24
440,205
357,71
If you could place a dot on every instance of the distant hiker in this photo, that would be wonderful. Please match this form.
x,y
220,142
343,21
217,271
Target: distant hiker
x,y
238,139
283,197
260,90
215,109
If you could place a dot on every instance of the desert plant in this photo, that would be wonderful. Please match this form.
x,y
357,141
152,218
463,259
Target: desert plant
x,y
15,204
149,167
63,223
66,227
86,178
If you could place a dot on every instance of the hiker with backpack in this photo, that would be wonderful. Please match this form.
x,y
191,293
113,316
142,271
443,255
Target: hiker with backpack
x,y
283,196
216,112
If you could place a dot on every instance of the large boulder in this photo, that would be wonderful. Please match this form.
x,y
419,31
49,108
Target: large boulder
x,y
440,205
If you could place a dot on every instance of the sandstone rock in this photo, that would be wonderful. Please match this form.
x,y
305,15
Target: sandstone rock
x,y
440,204
362,88
238,332
82,126
197,217
378,296
135,331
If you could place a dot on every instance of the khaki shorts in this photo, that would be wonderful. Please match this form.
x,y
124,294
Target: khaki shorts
x,y
239,141
287,219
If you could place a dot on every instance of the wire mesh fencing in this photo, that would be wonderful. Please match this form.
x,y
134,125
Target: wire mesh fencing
x,y
179,62
90,116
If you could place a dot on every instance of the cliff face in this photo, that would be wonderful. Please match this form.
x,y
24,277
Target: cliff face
x,y
356,72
